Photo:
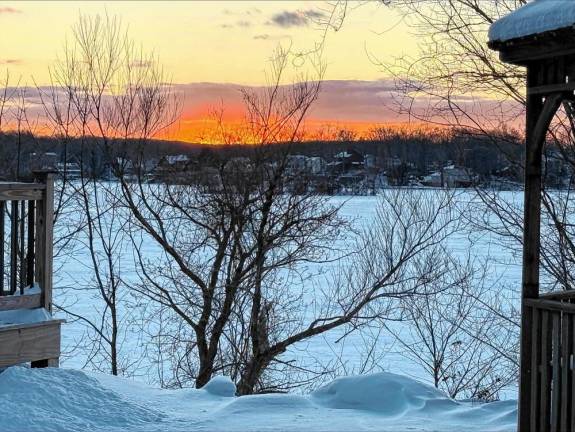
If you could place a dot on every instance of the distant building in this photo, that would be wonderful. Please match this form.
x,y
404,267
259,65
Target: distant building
x,y
450,176
42,161
315,165
69,170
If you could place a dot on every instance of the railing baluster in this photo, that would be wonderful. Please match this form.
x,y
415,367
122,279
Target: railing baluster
x,y
535,368
545,376
572,337
13,247
556,376
2,228
566,349
31,234
22,244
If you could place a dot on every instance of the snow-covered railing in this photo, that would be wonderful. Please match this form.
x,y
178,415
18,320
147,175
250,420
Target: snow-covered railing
x,y
26,215
28,331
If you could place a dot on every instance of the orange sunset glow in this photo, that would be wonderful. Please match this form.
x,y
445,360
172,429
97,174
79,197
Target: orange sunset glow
x,y
211,50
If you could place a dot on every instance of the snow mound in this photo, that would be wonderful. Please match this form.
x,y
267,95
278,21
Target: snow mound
x,y
385,393
58,399
51,400
220,386
536,17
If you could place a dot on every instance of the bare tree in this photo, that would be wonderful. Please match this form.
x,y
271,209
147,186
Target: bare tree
x,y
111,97
447,330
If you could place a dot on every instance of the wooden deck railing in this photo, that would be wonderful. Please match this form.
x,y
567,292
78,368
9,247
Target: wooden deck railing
x,y
552,360
26,218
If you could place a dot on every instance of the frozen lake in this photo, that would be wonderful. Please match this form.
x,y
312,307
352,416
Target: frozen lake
x,y
504,273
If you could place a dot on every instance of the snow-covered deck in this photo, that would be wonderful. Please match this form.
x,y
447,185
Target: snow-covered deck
x,y
28,332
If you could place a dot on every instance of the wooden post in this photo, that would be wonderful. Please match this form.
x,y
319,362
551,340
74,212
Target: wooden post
x,y
44,238
539,116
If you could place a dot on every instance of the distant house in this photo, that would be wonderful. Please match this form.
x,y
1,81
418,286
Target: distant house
x,y
296,164
350,159
69,170
390,163
42,161
434,179
455,177
370,161
177,159
313,165
450,176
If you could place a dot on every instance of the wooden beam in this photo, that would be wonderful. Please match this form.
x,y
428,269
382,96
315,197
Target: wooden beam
x,y
522,51
551,88
558,295
39,342
551,305
21,191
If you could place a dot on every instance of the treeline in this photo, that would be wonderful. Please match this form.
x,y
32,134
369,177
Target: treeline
x,y
422,151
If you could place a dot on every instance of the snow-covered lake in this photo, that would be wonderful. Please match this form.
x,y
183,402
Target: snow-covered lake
x,y
504,272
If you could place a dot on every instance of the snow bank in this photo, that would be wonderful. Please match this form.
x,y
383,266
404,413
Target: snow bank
x,y
536,17
385,393
64,400
68,400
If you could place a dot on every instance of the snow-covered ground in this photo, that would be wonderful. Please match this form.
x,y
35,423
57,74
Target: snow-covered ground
x,y
54,400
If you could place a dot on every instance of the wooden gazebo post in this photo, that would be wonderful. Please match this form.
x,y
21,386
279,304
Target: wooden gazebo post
x,y
531,38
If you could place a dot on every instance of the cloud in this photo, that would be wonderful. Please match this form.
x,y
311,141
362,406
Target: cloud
x,y
9,10
288,19
251,12
10,61
314,14
264,36
142,64
240,23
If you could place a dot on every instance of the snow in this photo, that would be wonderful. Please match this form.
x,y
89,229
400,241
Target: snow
x,y
505,273
220,386
536,17
24,316
68,400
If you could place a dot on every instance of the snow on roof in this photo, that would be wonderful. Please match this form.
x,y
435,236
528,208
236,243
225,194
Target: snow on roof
x,y
536,17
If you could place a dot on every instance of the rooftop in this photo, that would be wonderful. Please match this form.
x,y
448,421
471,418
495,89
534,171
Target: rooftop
x,y
538,16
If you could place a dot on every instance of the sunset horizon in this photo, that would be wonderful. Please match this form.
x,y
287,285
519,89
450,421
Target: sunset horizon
x,y
231,44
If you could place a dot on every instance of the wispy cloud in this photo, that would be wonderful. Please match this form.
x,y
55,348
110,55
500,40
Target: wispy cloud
x,y
10,61
288,19
241,23
250,12
141,64
9,10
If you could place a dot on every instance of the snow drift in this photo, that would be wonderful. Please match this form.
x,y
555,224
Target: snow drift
x,y
71,400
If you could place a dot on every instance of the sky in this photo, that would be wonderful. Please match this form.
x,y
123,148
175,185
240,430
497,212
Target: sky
x,y
213,49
